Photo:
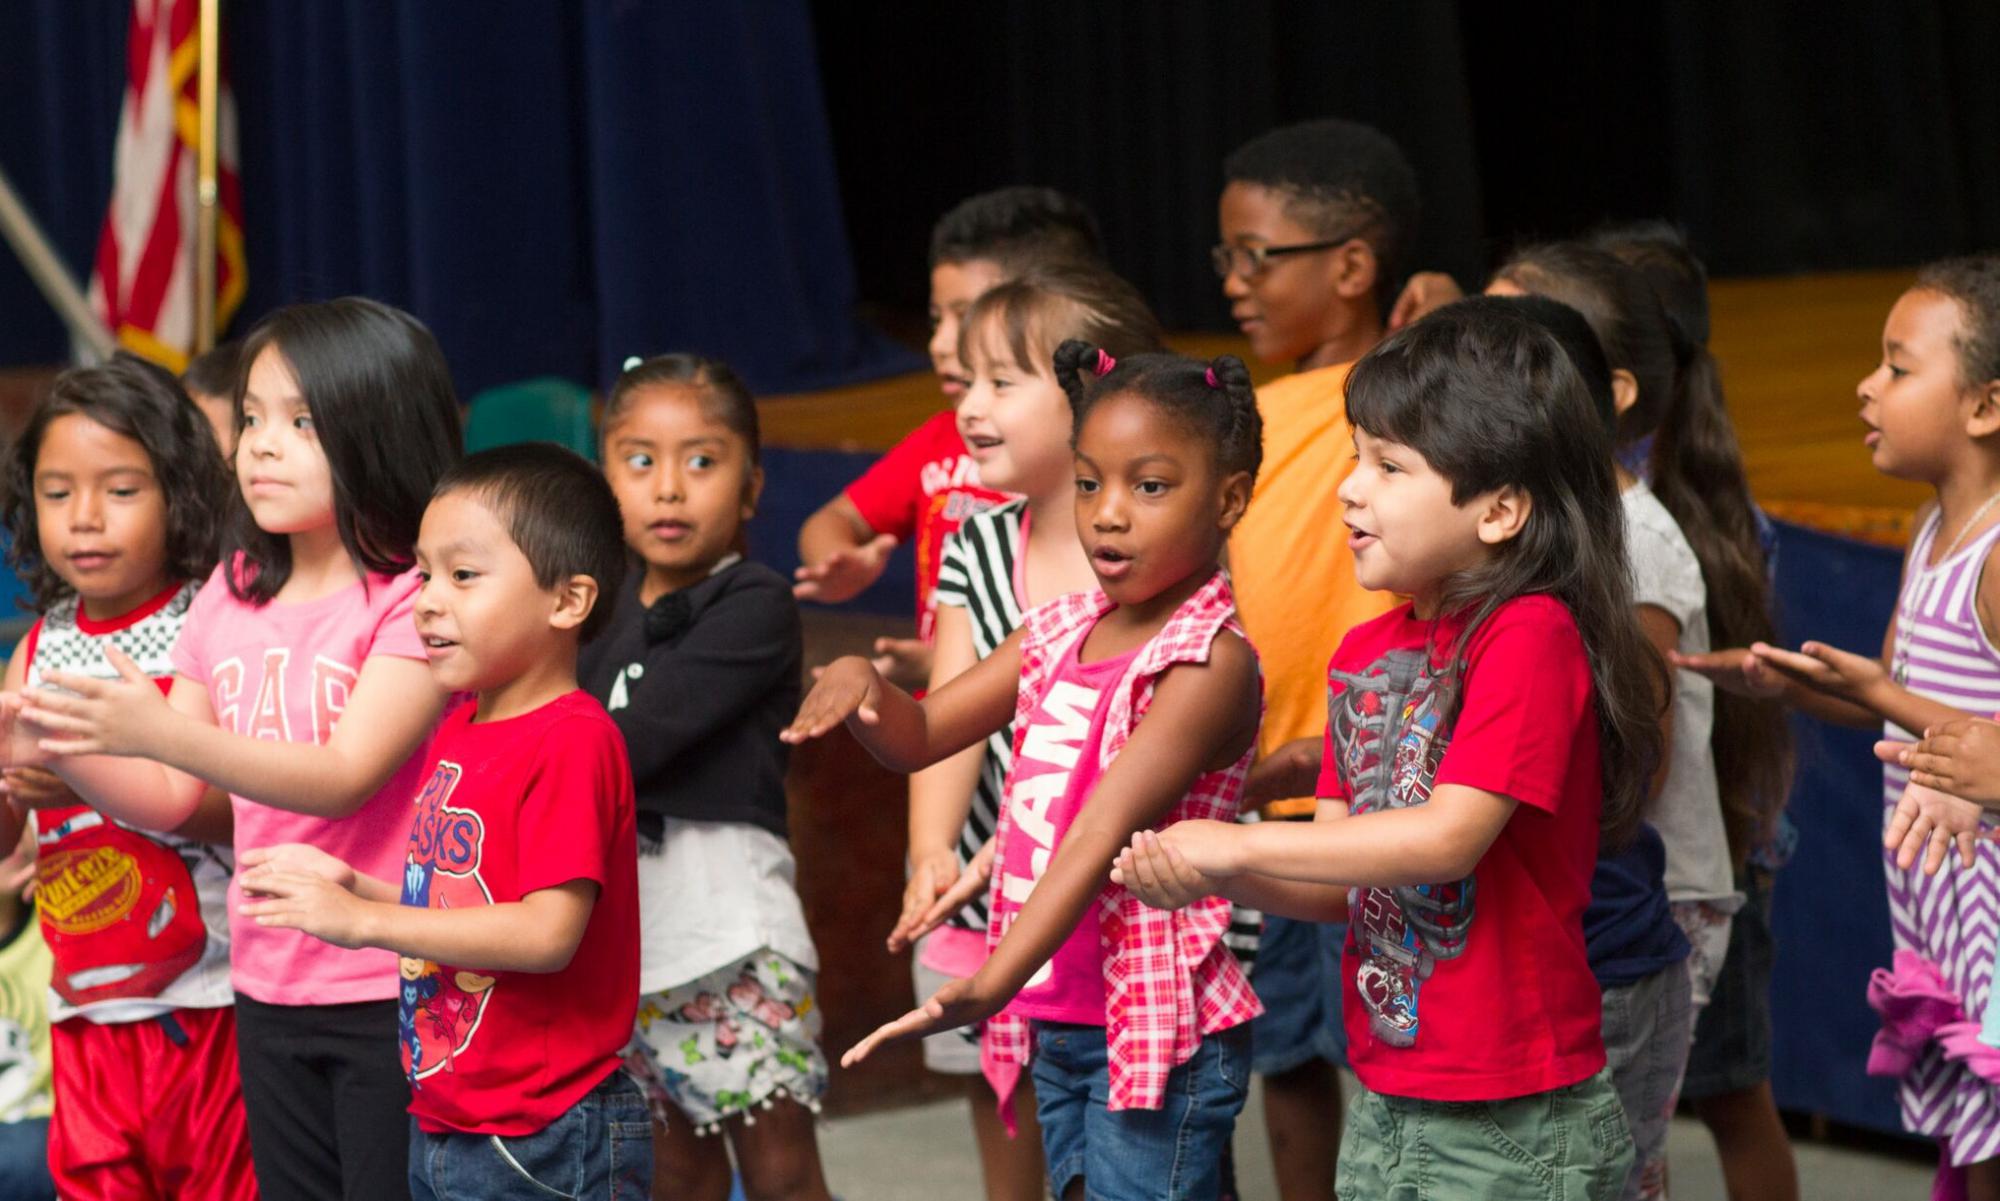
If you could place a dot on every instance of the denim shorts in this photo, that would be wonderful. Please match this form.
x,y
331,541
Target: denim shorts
x,y
1567,1144
1173,1153
1647,1027
600,1149
1298,979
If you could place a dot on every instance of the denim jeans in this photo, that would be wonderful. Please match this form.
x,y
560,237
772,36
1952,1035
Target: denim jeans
x,y
1173,1153
601,1149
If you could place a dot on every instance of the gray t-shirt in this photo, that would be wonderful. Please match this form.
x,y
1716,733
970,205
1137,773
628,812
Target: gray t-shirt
x,y
1688,811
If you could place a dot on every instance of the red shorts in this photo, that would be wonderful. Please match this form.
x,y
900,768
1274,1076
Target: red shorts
x,y
143,1113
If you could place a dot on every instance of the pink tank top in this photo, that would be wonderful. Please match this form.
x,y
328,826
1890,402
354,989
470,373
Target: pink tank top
x,y
1055,771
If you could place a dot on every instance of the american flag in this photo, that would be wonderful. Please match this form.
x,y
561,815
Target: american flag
x,y
143,282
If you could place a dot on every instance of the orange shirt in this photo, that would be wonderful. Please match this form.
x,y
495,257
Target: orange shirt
x,y
1288,558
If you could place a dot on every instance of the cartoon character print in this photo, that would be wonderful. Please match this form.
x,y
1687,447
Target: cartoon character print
x,y
440,1005
1385,733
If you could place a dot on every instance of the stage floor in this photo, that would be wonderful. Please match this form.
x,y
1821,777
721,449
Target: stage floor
x,y
1791,349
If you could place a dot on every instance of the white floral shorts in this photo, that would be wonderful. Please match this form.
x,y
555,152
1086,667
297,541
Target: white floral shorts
x,y
735,1041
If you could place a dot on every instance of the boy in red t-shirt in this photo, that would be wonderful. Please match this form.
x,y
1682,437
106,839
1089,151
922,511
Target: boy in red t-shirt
x,y
926,484
518,918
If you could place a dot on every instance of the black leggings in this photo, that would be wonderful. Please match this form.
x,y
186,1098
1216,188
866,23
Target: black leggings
x,y
326,1100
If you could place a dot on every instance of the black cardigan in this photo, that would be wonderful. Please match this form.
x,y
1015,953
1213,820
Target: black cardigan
x,y
701,707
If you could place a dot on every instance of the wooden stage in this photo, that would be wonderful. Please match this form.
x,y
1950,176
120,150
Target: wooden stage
x,y
1791,349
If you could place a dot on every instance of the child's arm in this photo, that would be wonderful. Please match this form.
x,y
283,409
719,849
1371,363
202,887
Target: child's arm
x,y
538,933
1202,717
941,794
106,729
840,555
904,734
1158,872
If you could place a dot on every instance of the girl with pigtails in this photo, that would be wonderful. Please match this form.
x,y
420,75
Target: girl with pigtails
x,y
1134,705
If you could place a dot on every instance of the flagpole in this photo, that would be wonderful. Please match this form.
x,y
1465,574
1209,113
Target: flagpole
x,y
46,268
206,195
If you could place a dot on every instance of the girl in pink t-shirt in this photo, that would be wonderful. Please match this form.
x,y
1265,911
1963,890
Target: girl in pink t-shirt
x,y
1137,1019
302,690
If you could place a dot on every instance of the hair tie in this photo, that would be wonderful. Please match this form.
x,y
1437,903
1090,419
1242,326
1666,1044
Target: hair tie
x,y
631,361
1210,376
1104,363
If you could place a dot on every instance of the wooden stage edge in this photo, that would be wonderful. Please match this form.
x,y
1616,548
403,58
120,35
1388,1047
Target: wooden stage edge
x,y
1792,350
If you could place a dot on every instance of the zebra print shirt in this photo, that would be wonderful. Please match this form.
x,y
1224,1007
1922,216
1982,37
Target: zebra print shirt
x,y
976,573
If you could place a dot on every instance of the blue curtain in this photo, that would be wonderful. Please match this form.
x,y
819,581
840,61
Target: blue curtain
x,y
551,186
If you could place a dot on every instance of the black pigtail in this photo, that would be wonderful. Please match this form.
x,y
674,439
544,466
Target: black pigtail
x,y
1245,437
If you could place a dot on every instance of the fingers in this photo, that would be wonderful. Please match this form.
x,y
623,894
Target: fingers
x,y
127,669
1968,845
901,1028
1893,752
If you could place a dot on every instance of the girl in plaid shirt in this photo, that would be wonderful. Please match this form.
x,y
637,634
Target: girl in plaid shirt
x,y
1135,1018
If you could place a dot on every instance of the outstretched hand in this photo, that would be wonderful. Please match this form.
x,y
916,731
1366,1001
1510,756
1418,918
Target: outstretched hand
x,y
1737,670
847,687
291,859
1929,823
925,913
844,574
293,900
1960,757
904,662
1156,872
84,715
1826,669
958,1003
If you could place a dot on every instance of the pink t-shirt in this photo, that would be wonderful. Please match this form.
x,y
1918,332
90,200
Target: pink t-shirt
x,y
284,672
1055,770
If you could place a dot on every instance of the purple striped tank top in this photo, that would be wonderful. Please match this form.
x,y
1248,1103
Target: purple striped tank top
x,y
1940,652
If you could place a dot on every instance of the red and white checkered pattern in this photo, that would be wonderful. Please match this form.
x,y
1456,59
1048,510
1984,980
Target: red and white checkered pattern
x,y
1168,978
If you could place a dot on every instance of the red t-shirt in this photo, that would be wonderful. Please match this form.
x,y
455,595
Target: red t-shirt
x,y
924,487
513,806
1477,989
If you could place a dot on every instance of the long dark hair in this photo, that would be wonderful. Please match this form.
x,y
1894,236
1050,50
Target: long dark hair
x,y
1696,469
386,416
1490,400
132,397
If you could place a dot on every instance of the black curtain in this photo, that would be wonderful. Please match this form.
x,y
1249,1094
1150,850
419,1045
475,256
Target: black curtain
x,y
1786,137
551,186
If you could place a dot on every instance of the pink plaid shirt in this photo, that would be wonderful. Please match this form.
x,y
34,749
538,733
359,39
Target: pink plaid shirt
x,y
1168,979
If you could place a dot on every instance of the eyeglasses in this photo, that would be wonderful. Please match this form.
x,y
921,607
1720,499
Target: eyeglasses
x,y
1250,261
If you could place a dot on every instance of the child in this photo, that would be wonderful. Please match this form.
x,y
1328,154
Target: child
x,y
114,499
210,379
927,485
300,690
1728,1079
700,668
1316,219
25,968
1485,735
1932,410
1140,1058
998,564
516,911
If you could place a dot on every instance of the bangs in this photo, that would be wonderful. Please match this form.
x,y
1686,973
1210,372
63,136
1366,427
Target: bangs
x,y
1009,326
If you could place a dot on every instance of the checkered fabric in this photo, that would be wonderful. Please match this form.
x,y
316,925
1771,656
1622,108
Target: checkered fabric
x,y
1168,978
61,646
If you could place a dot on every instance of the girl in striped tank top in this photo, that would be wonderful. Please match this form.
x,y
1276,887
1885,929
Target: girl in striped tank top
x,y
1933,414
1015,421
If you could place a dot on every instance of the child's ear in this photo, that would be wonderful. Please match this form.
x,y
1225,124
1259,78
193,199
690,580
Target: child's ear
x,y
1624,390
753,491
575,597
1236,491
1503,514
1985,416
1355,269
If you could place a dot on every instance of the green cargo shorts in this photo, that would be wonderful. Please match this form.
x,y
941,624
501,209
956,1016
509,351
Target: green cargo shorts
x,y
1569,1144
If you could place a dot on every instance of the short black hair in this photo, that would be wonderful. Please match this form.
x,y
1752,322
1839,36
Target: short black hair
x,y
1214,399
145,403
1974,282
385,414
1333,173
1017,227
558,509
215,372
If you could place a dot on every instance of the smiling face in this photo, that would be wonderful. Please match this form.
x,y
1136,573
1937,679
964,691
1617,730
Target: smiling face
x,y
954,286
484,621
1015,422
1298,303
100,515
1407,535
280,464
684,481
1152,507
1916,403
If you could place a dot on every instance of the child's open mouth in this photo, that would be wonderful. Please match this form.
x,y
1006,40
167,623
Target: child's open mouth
x,y
1110,562
1359,540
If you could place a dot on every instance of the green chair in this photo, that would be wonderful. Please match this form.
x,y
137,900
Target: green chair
x,y
547,409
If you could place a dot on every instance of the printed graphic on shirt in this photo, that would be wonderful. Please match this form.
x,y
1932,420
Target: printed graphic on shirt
x,y
1050,748
1384,724
441,1006
119,909
267,712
